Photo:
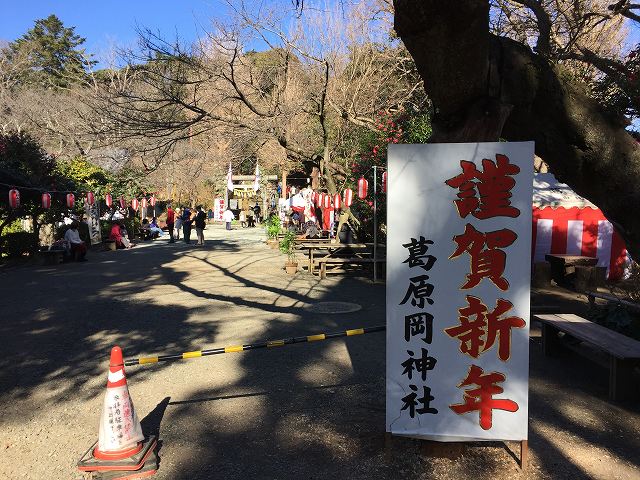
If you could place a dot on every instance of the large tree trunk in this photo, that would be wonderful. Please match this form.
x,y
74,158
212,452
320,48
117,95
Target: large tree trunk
x,y
484,87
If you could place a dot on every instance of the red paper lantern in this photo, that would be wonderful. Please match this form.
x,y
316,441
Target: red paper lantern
x,y
144,203
348,197
123,204
108,200
91,199
152,201
14,198
134,204
46,200
326,200
337,201
71,200
384,182
363,185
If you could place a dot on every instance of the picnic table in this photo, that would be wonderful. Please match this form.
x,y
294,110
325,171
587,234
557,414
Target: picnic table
x,y
563,265
319,251
298,242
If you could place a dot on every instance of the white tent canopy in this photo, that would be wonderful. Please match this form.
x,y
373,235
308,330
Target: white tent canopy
x,y
549,192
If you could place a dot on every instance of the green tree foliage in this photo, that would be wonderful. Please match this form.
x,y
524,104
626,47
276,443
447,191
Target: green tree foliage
x,y
52,54
24,164
84,174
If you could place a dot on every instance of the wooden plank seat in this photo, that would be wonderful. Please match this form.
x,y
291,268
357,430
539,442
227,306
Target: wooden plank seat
x,y
624,352
337,262
52,257
611,299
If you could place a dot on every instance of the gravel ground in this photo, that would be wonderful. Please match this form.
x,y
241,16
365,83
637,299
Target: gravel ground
x,y
310,411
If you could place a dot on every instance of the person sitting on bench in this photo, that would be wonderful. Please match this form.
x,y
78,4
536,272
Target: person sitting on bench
x,y
154,228
78,247
311,229
119,236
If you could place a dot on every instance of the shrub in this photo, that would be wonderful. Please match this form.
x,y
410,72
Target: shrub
x,y
272,225
287,245
18,244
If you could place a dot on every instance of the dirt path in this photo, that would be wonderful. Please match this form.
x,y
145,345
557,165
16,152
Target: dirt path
x,y
310,411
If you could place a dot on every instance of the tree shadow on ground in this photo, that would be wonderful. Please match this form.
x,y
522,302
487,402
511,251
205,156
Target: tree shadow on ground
x,y
60,322
307,415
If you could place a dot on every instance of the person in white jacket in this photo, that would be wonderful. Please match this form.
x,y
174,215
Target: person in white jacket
x,y
228,217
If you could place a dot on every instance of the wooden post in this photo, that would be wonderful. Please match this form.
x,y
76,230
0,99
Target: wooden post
x,y
550,342
284,183
524,454
621,383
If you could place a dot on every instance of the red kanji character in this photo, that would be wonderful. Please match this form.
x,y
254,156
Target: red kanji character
x,y
489,195
481,398
478,335
489,262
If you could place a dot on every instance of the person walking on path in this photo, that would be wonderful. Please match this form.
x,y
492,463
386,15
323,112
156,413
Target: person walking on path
x,y
170,222
186,225
228,217
201,223
178,215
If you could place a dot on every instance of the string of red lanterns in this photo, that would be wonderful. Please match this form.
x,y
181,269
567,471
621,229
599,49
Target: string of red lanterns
x,y
70,200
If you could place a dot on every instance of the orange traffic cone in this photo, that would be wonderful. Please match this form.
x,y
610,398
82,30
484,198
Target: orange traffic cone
x,y
120,435
121,445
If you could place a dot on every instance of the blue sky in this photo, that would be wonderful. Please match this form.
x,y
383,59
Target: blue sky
x,y
107,22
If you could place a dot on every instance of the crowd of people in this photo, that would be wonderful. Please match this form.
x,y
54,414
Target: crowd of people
x,y
179,224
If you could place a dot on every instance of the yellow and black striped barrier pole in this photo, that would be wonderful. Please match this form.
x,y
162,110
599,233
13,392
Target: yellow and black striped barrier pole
x,y
253,346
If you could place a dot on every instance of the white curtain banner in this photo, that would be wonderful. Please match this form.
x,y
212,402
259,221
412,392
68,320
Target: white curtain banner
x,y
92,215
458,288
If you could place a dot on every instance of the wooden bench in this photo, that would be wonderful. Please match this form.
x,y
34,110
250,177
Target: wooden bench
x,y
611,299
624,352
110,245
52,257
342,261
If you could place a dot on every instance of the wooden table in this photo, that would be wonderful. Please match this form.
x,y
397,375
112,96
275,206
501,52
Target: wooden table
x,y
561,265
332,249
624,352
312,241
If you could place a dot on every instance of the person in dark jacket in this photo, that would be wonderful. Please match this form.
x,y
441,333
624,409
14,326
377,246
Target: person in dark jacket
x,y
187,220
201,223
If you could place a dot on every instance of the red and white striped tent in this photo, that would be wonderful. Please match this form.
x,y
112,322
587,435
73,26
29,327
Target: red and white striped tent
x,y
565,223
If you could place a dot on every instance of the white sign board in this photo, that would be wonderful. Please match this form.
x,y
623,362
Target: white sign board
x,y
458,273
